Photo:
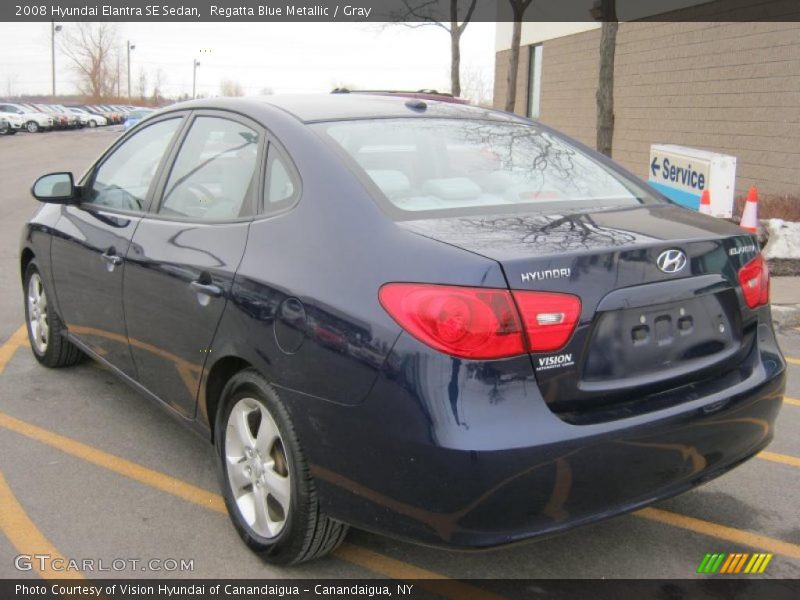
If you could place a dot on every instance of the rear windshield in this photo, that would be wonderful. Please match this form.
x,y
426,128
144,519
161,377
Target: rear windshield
x,y
458,166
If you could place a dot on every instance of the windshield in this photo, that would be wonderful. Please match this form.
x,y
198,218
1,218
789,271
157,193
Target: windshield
x,y
464,166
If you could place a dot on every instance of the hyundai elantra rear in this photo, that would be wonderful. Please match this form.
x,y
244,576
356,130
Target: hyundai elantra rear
x,y
429,320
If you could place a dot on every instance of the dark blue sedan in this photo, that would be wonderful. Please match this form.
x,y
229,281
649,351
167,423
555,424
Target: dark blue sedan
x,y
434,321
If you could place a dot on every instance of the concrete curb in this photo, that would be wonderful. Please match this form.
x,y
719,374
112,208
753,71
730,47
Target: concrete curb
x,y
786,315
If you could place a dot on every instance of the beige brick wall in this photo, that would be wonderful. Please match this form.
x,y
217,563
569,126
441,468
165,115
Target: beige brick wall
x,y
727,87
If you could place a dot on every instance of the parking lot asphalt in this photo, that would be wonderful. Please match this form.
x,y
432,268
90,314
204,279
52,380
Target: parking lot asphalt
x,y
91,470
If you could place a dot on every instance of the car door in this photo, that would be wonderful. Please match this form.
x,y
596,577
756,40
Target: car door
x,y
92,239
184,255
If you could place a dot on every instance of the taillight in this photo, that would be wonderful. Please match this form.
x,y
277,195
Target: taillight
x,y
477,323
481,323
754,279
549,318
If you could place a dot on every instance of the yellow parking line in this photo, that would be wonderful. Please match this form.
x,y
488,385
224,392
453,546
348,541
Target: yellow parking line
x,y
792,401
119,465
18,339
26,537
794,361
786,459
722,532
368,559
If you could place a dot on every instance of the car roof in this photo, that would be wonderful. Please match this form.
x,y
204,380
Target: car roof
x,y
310,108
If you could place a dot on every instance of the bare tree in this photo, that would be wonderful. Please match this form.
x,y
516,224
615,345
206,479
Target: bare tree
x,y
92,49
607,11
518,8
475,86
454,23
230,87
158,82
142,84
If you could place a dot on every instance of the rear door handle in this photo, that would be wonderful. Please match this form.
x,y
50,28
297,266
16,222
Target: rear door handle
x,y
209,289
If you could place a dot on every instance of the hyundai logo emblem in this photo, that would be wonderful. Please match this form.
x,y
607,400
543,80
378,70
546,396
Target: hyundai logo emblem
x,y
671,261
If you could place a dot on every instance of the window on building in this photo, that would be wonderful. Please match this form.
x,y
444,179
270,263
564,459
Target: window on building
x,y
535,81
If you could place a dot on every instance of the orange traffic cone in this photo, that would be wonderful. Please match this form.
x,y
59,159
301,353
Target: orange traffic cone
x,y
705,203
749,220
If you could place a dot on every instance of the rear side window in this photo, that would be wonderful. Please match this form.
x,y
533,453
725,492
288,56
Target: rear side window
x,y
213,175
280,187
459,166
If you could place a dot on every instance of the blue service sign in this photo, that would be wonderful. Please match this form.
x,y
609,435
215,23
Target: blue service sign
x,y
681,177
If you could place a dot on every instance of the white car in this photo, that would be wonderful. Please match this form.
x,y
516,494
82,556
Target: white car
x,y
88,119
15,123
33,121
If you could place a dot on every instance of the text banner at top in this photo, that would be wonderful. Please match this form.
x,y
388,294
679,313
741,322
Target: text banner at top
x,y
541,11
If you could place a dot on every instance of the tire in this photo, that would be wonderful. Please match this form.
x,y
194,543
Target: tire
x,y
262,458
92,123
45,329
31,126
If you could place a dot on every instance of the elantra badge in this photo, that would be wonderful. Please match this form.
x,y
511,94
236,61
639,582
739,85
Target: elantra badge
x,y
671,261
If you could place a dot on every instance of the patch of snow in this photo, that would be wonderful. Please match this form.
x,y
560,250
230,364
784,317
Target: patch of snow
x,y
784,239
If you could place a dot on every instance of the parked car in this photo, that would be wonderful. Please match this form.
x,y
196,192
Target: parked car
x,y
13,123
32,108
75,120
113,116
59,121
430,320
64,119
134,116
89,119
33,120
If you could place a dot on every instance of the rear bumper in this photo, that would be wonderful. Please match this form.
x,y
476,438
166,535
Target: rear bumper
x,y
478,460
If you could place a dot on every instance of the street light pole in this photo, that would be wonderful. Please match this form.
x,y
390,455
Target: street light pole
x,y
130,47
194,79
53,30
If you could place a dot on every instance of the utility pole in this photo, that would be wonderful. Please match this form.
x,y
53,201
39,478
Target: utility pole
x,y
53,30
130,47
194,79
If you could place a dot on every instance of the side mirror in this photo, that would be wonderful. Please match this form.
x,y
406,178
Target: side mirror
x,y
55,188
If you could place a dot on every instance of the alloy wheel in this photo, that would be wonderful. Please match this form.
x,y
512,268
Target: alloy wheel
x,y
257,467
37,314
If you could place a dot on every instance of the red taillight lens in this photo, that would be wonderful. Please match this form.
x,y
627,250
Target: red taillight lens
x,y
476,323
754,279
482,323
549,318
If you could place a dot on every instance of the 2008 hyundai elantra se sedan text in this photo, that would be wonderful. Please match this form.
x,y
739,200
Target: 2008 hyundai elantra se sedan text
x,y
429,320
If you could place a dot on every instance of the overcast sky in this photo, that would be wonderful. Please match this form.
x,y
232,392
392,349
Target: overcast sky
x,y
286,57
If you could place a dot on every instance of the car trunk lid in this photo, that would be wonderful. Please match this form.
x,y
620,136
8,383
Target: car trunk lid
x,y
641,330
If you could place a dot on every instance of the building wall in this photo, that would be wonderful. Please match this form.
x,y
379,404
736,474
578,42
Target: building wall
x,y
727,87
